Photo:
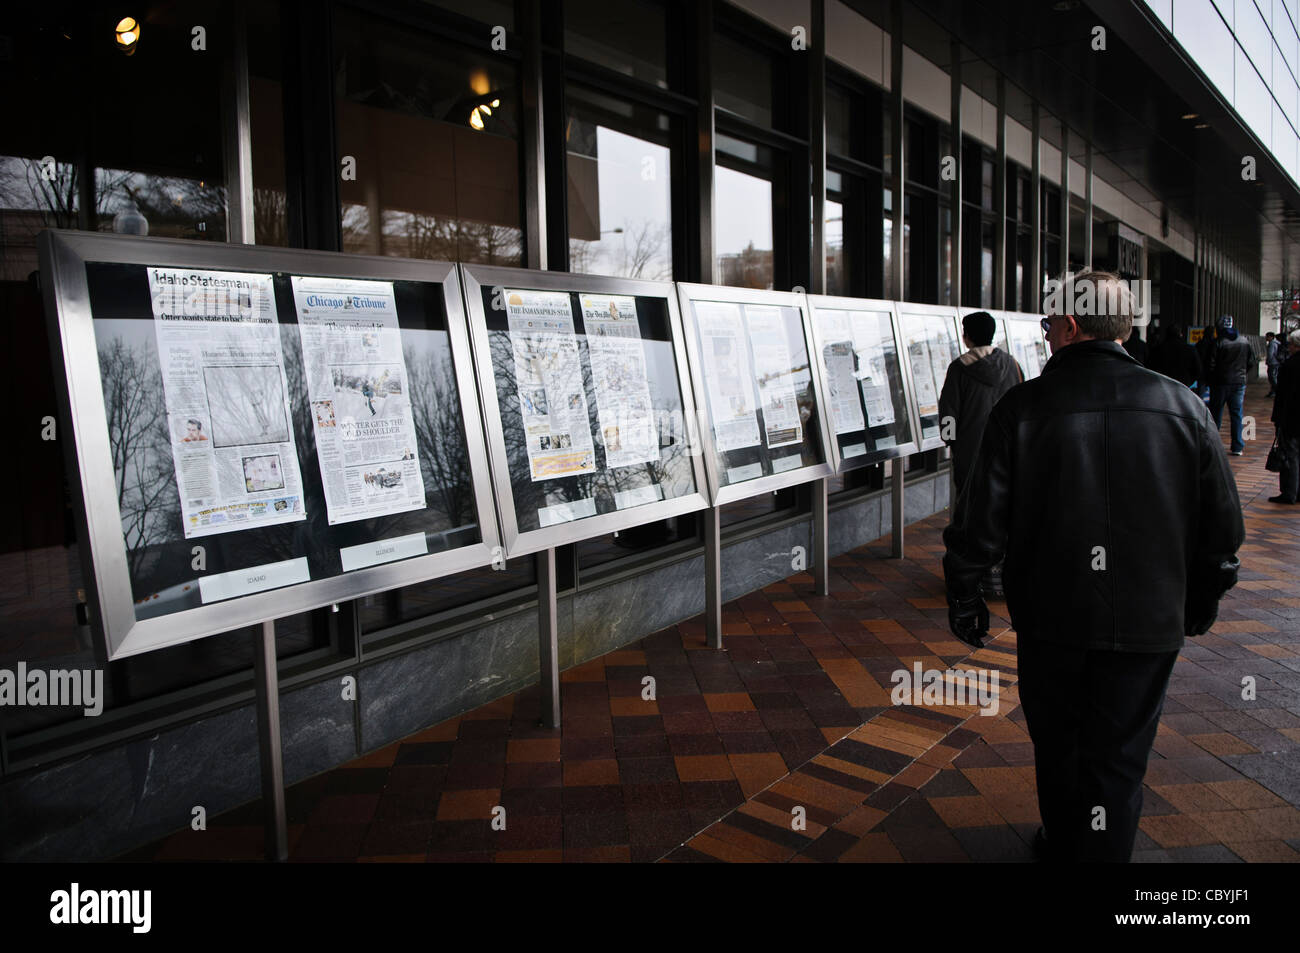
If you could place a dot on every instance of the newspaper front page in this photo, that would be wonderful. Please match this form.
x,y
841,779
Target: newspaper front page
x,y
548,378
727,376
838,354
618,371
227,401
360,397
774,372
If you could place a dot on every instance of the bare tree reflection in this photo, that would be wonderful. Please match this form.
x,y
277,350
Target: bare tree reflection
x,y
141,448
444,457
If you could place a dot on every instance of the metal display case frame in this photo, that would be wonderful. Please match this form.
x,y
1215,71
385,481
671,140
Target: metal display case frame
x,y
64,257
734,492
874,305
519,543
927,310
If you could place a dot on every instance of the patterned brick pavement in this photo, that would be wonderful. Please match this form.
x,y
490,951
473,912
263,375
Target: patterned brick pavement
x,y
796,713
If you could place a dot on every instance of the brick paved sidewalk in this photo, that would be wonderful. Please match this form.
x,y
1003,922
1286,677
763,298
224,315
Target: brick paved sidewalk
x,y
796,712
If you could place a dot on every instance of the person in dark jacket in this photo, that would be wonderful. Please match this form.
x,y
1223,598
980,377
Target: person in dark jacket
x,y
1229,359
1286,417
973,384
1203,348
1107,490
1173,357
1273,357
1136,347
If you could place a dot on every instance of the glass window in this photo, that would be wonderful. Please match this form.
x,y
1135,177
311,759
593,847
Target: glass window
x,y
619,188
629,37
743,238
835,248
887,237
495,12
266,120
742,81
433,133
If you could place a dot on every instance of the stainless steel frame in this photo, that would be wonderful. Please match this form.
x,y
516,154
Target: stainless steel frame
x,y
731,493
927,310
63,257
829,303
517,543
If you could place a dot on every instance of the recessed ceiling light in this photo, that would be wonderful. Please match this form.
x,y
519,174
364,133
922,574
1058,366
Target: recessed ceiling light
x,y
1202,125
1189,115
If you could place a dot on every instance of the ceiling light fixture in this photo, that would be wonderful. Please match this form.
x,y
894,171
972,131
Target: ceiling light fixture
x,y
128,34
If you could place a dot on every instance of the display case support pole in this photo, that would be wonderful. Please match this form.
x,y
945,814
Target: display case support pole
x,y
820,541
548,645
713,577
268,738
896,506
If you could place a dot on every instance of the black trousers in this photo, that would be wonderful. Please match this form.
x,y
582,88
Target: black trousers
x,y
1092,716
1289,479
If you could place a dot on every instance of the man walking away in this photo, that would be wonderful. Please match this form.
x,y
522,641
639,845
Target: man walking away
x,y
1273,360
974,383
1286,417
1229,359
1108,491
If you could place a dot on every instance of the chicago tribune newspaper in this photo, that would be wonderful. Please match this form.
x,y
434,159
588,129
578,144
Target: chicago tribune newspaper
x,y
360,397
227,401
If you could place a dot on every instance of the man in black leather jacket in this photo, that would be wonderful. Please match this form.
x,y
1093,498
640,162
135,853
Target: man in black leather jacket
x,y
1107,489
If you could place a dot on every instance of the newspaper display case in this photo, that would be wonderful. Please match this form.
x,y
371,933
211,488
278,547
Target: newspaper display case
x,y
860,359
587,401
1026,342
763,427
256,432
932,338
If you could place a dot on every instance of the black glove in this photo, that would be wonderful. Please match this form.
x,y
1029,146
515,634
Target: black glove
x,y
969,620
1203,595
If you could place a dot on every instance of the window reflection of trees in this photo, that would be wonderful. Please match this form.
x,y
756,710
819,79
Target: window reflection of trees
x,y
140,445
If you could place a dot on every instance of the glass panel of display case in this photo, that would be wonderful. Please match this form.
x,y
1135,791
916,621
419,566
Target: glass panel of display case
x,y
587,401
261,432
860,361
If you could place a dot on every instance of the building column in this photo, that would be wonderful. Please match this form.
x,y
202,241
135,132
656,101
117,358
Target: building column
x,y
899,144
817,143
1087,207
1035,212
1000,201
956,132
1065,198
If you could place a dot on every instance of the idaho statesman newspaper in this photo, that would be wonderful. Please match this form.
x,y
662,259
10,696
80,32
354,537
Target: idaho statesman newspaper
x,y
227,402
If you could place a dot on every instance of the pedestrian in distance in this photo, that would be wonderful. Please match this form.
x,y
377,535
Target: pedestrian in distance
x,y
1107,490
1286,418
1229,360
1273,358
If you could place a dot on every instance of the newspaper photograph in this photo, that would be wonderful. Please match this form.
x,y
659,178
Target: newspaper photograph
x,y
839,356
942,348
727,375
774,372
227,400
360,401
618,372
548,377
